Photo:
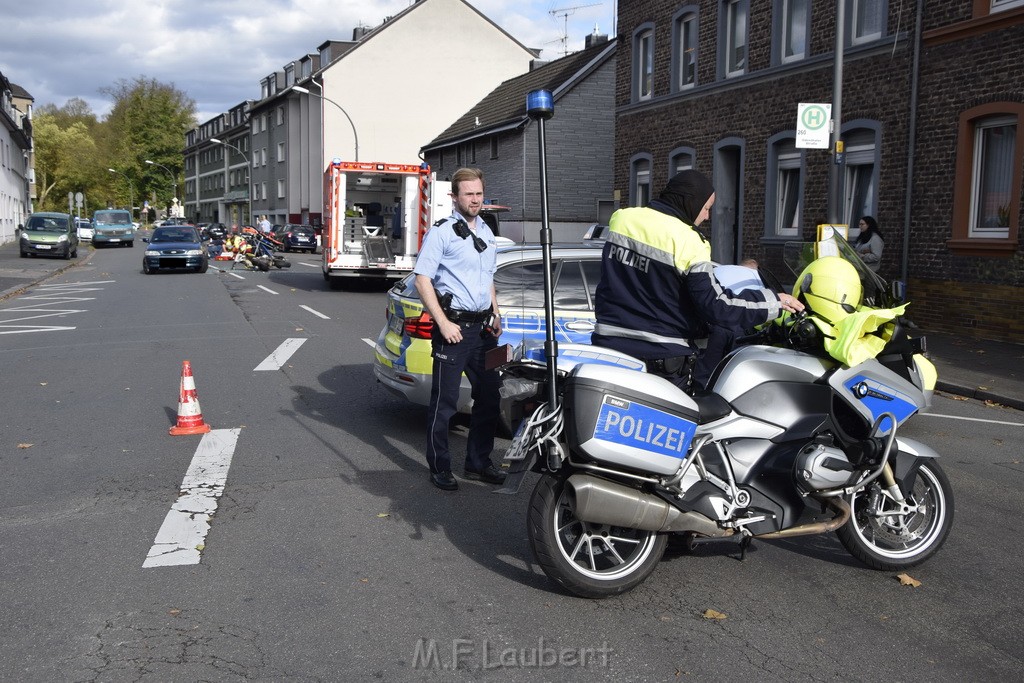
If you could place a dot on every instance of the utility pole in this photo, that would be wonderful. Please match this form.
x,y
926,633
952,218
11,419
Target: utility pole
x,y
564,12
836,168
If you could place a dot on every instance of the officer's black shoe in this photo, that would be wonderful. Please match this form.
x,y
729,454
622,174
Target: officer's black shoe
x,y
444,481
489,474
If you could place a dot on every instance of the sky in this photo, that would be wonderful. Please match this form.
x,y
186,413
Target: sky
x,y
216,51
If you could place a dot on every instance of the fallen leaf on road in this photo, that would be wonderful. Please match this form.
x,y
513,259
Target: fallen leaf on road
x,y
907,580
383,514
200,547
42,384
364,580
713,614
25,445
174,612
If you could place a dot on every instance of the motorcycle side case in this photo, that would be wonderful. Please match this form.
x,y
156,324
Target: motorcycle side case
x,y
628,418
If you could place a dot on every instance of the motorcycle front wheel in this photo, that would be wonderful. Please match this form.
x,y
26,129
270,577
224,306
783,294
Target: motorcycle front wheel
x,y
885,534
589,560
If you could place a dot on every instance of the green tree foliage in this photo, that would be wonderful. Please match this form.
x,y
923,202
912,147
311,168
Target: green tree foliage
x,y
65,158
74,149
149,120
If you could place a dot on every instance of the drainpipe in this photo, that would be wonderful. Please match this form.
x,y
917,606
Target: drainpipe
x,y
911,145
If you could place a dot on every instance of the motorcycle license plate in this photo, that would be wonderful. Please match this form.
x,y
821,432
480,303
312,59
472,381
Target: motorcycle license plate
x,y
520,458
520,444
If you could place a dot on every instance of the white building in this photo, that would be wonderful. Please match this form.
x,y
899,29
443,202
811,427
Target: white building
x,y
15,158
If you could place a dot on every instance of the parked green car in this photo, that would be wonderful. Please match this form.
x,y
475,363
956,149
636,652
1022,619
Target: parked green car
x,y
52,234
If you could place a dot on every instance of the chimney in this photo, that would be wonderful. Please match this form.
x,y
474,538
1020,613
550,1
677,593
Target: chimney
x,y
595,38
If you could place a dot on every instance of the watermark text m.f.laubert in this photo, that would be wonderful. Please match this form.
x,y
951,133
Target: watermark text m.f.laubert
x,y
465,653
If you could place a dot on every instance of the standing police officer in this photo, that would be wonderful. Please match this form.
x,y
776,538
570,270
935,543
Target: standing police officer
x,y
455,281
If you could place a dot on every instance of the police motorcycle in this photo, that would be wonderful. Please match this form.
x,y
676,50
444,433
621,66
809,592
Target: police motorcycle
x,y
787,441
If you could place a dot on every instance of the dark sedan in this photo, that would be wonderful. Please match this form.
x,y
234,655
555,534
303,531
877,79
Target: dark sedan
x,y
176,247
296,238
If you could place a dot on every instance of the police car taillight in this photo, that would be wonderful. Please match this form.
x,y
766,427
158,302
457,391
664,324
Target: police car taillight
x,y
421,327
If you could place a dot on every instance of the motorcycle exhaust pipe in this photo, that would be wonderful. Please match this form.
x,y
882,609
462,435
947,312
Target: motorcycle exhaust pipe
x,y
843,512
599,501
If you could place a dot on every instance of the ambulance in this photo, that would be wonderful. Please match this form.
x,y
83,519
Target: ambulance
x,y
375,217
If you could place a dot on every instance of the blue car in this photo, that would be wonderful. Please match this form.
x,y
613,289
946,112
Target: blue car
x,y
176,247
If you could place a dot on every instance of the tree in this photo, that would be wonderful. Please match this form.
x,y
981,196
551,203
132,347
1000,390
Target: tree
x,y
149,120
65,160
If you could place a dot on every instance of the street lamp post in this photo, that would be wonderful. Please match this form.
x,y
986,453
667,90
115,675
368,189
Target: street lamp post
x,y
131,191
174,178
248,172
355,136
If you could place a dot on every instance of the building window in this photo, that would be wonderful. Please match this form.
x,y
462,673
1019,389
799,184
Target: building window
x,y
255,126
643,62
263,190
735,58
494,146
280,151
992,177
263,155
987,190
784,187
640,180
867,20
681,159
263,122
280,188
280,116
861,176
794,29
1000,5
684,49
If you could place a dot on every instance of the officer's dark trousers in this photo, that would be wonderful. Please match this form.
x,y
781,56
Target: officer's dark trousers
x,y
450,361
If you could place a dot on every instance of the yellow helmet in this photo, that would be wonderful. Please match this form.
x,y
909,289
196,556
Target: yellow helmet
x,y
831,288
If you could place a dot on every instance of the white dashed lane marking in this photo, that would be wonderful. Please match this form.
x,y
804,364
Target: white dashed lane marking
x,y
182,537
280,356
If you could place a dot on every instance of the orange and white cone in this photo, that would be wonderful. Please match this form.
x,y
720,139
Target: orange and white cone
x,y
190,417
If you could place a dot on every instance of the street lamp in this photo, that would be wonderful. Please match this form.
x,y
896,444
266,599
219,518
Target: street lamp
x,y
174,178
248,171
355,136
131,191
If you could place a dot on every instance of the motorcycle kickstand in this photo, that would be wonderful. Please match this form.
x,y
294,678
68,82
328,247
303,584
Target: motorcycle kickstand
x,y
744,544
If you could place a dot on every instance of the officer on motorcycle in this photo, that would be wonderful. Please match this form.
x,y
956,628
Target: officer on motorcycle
x,y
658,291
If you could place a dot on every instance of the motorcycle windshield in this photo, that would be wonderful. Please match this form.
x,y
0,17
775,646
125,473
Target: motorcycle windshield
x,y
798,255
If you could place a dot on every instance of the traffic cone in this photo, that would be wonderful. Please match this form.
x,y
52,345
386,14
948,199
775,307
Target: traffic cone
x,y
190,417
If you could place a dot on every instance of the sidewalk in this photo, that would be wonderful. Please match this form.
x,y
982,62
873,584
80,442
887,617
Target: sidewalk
x,y
985,370
18,273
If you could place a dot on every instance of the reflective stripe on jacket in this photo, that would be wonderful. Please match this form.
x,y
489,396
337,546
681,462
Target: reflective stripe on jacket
x,y
658,291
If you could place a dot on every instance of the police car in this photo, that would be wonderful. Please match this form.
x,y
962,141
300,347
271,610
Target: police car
x,y
402,361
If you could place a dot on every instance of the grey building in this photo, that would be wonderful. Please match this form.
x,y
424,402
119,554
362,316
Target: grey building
x,y
498,137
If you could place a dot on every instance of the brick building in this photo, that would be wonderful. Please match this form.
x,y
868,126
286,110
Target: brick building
x,y
931,111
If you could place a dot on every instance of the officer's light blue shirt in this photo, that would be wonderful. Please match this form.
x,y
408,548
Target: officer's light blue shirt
x,y
454,265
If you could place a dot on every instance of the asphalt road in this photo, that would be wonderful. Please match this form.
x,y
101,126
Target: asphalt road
x,y
329,556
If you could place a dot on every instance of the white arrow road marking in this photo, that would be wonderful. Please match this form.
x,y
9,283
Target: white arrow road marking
x,y
280,355
316,313
369,342
182,536
49,295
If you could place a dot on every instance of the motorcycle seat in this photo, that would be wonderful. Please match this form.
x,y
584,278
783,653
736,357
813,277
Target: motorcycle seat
x,y
711,406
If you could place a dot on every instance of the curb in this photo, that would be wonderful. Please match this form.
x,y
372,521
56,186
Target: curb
x,y
979,394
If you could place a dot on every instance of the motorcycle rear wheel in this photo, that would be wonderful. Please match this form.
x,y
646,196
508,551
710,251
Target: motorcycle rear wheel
x,y
589,560
884,537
